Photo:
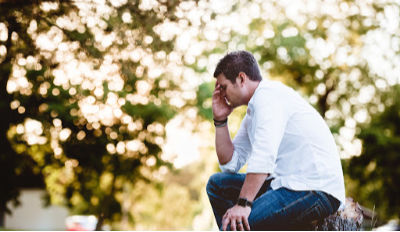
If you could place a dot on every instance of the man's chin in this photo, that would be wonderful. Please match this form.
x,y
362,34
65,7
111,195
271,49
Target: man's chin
x,y
232,105
228,102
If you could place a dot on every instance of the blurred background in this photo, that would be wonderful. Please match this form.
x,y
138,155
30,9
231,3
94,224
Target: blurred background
x,y
105,105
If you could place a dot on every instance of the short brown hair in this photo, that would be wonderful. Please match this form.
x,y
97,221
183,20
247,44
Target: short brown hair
x,y
238,61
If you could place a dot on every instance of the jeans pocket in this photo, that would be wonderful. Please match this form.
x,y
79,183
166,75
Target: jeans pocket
x,y
313,213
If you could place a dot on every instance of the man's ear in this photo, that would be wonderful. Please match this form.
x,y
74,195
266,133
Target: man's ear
x,y
242,78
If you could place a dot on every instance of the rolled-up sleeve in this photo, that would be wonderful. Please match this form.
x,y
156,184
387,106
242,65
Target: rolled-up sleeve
x,y
265,131
242,148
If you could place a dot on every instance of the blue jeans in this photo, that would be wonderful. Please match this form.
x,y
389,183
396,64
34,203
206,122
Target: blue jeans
x,y
280,209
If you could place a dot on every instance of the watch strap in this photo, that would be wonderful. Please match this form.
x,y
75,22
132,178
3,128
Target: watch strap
x,y
244,202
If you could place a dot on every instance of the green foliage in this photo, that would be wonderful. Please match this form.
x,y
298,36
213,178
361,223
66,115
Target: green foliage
x,y
150,112
86,158
83,157
14,168
374,173
203,103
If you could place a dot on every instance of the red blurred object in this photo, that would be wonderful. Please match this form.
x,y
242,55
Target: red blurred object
x,y
81,223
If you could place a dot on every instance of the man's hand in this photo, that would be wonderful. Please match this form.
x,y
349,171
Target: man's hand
x,y
237,217
221,109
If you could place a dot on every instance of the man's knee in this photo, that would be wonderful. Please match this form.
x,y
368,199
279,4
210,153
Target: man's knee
x,y
217,180
213,182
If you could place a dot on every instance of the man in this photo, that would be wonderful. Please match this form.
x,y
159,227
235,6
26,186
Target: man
x,y
294,176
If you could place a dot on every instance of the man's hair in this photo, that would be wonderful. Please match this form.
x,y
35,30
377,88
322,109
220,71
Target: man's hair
x,y
238,61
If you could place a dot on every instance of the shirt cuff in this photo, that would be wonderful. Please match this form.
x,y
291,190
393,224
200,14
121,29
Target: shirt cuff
x,y
232,166
260,167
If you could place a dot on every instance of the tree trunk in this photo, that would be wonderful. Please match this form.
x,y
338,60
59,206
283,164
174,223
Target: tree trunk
x,y
105,213
8,158
349,219
2,219
100,222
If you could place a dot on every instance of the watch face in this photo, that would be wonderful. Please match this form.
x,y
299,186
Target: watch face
x,y
242,202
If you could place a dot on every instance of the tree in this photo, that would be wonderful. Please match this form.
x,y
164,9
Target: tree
x,y
85,98
374,173
14,43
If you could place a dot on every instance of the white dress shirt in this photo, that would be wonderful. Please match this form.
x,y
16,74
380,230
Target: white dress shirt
x,y
286,137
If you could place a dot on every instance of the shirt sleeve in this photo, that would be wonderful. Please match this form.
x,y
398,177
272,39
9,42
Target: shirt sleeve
x,y
266,130
242,148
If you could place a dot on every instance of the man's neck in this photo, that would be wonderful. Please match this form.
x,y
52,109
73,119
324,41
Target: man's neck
x,y
252,86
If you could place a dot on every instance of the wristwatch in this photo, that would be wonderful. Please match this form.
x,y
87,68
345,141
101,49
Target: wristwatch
x,y
244,202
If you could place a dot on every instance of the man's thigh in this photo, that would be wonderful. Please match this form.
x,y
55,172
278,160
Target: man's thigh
x,y
284,209
225,185
229,185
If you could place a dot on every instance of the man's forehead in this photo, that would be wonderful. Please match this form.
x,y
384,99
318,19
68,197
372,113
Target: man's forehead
x,y
221,79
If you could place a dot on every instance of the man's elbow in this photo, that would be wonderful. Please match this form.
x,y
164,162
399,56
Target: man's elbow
x,y
224,155
224,160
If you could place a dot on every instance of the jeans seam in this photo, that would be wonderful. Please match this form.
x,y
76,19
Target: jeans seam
x,y
326,200
295,202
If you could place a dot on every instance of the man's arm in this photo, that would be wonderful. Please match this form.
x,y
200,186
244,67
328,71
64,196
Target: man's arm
x,y
252,185
223,144
221,111
236,214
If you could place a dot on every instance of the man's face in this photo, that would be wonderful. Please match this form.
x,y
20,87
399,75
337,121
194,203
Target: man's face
x,y
231,92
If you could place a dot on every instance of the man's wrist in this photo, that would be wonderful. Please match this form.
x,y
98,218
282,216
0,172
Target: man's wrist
x,y
244,202
220,120
220,123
